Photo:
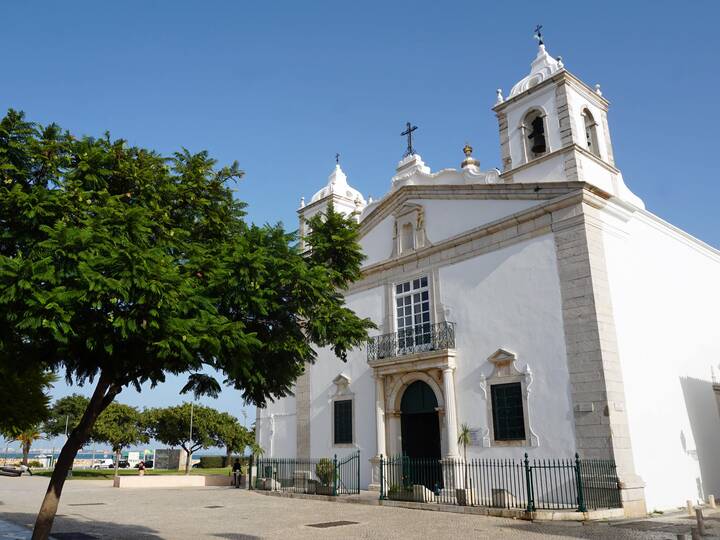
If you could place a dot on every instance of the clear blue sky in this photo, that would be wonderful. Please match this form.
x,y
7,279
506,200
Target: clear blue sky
x,y
282,86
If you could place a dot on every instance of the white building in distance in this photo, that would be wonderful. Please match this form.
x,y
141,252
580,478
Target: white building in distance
x,y
543,306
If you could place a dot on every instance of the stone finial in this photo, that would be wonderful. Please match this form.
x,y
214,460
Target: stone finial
x,y
302,202
469,161
597,90
500,97
370,199
560,62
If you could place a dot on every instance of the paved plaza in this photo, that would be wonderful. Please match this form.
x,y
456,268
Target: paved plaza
x,y
94,509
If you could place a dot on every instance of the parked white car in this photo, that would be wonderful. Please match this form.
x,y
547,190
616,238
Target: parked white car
x,y
106,463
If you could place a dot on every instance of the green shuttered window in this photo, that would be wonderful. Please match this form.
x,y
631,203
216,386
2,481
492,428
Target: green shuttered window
x,y
507,411
343,421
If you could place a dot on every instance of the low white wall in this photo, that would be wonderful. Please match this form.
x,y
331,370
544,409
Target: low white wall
x,y
171,481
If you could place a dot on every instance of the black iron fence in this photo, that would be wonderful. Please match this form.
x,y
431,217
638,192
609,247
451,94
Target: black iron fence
x,y
413,339
323,476
548,484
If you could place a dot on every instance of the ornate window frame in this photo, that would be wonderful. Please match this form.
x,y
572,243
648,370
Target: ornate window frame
x,y
505,371
341,392
409,215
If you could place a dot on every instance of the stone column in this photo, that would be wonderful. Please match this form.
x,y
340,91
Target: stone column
x,y
380,415
380,431
450,413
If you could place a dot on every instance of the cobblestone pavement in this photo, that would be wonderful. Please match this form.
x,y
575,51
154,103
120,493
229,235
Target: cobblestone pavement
x,y
94,509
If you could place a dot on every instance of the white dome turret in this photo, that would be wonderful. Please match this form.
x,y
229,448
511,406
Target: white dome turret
x,y
338,186
543,67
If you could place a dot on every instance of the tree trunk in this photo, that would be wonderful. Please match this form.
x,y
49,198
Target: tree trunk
x,y
228,457
26,451
187,462
117,462
102,397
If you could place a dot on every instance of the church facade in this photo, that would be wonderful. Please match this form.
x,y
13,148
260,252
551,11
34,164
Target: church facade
x,y
542,306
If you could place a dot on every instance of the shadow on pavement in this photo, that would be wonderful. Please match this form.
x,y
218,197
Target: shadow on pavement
x,y
94,529
236,536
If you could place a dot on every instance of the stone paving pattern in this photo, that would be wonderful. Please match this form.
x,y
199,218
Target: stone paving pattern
x,y
97,510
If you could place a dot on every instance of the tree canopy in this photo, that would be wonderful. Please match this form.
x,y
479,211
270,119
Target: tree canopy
x,y
119,266
24,402
171,426
233,435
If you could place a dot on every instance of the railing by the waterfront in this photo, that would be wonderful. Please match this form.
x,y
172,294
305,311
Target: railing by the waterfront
x,y
321,476
419,338
548,484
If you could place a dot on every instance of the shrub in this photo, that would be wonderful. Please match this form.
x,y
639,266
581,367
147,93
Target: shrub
x,y
212,462
35,463
324,471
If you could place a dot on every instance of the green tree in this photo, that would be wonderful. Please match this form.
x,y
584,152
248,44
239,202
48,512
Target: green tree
x,y
65,415
23,398
119,266
120,426
233,435
171,426
27,437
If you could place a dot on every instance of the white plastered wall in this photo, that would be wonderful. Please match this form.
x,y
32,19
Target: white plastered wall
x,y
444,218
510,298
666,298
368,303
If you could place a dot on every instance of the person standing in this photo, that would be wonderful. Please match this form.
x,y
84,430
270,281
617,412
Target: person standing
x,y
141,468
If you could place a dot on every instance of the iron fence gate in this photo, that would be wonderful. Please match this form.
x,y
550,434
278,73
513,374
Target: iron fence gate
x,y
323,476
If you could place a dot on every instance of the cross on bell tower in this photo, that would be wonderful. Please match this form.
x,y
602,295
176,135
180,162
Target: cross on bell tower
x,y
408,133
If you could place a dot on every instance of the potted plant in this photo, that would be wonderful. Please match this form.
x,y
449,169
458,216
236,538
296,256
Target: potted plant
x,y
464,494
325,471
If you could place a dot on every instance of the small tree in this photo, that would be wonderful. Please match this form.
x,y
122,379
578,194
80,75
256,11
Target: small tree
x,y
171,426
233,436
27,437
65,414
120,426
464,440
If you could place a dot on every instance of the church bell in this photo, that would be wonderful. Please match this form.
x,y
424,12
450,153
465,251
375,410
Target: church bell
x,y
538,136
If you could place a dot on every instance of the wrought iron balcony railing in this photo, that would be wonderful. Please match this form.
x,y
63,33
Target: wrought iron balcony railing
x,y
419,338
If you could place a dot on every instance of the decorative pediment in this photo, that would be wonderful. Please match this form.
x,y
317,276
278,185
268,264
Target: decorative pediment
x,y
409,230
342,385
502,357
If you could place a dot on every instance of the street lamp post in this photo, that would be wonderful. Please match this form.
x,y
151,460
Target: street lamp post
x,y
188,465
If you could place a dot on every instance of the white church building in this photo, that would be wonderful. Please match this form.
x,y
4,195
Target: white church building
x,y
543,306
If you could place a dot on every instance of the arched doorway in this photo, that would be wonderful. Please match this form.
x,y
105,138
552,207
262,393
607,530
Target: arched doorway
x,y
420,426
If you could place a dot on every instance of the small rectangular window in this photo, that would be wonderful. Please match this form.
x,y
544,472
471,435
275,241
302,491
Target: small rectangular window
x,y
343,421
507,412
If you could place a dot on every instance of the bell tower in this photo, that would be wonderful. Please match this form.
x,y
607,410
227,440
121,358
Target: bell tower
x,y
554,128
344,198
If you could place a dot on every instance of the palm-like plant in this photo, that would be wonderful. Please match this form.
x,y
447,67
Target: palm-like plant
x,y
26,438
464,440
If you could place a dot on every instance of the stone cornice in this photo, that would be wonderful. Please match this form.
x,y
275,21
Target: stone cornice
x,y
396,199
560,151
563,76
